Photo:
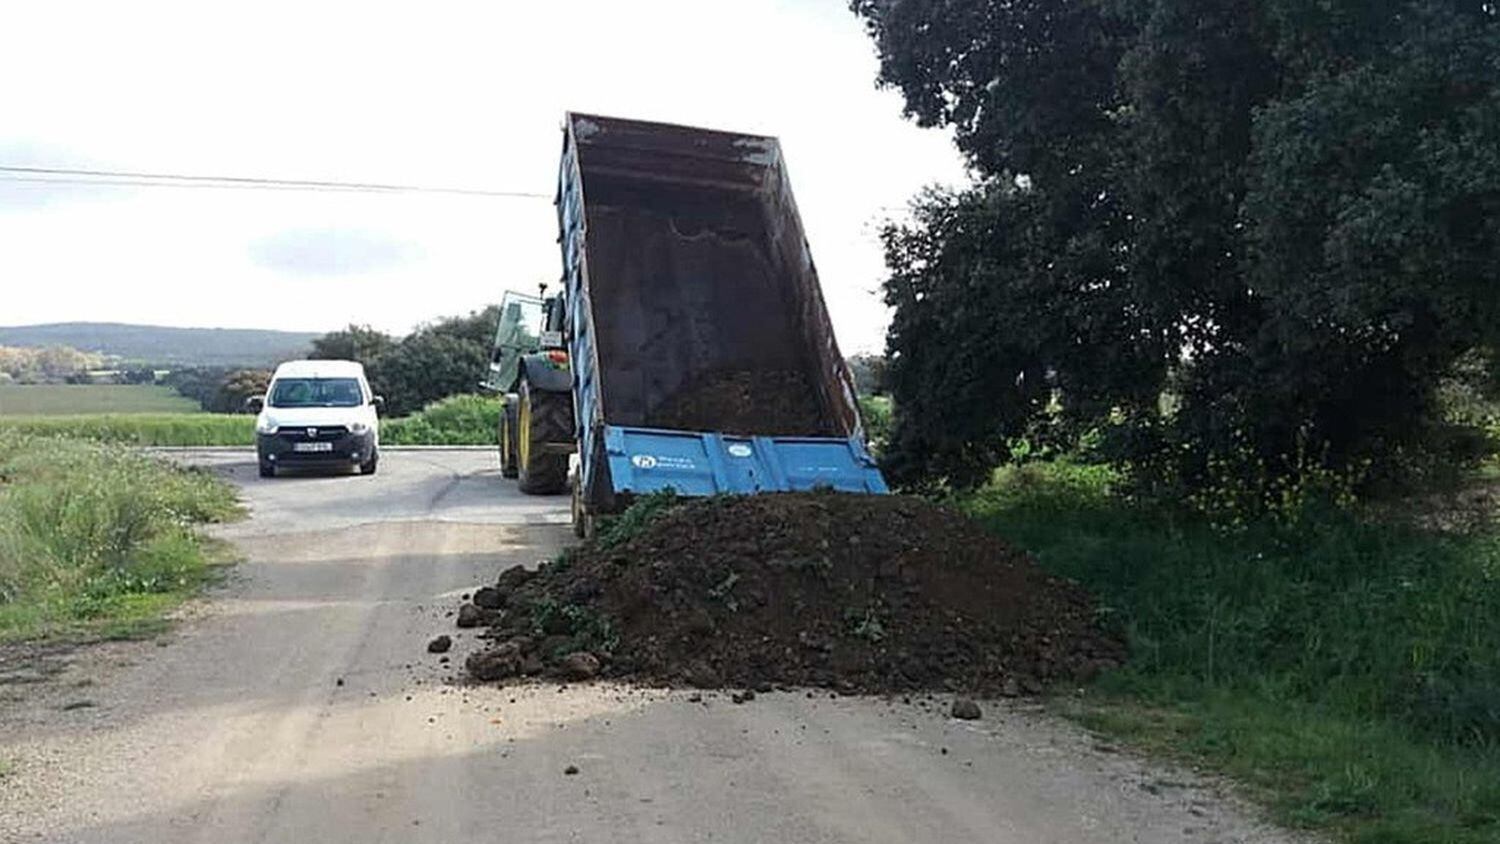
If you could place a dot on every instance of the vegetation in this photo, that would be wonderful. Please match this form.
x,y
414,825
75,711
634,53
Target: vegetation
x,y
219,390
53,399
1347,670
142,429
445,358
875,411
612,531
1255,235
457,420
869,373
45,365
1239,260
96,539
166,347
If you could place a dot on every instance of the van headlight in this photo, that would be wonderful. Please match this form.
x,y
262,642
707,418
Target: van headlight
x,y
265,426
360,428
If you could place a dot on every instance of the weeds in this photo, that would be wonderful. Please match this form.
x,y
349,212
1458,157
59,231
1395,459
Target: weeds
x,y
1348,669
722,592
94,536
865,624
616,530
587,630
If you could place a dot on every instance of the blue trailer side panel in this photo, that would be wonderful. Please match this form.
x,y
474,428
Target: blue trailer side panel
x,y
645,460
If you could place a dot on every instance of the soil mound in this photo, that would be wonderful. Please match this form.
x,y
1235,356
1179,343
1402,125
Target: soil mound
x,y
851,592
769,402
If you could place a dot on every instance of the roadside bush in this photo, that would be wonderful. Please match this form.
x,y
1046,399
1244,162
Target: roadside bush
x,y
456,420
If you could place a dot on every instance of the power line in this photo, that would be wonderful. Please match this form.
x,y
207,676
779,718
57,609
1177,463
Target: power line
x,y
64,175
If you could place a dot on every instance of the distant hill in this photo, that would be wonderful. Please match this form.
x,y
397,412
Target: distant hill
x,y
166,346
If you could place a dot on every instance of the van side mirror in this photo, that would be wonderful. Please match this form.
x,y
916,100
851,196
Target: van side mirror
x,y
377,402
255,404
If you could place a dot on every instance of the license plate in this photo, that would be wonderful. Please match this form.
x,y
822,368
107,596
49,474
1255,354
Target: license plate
x,y
312,446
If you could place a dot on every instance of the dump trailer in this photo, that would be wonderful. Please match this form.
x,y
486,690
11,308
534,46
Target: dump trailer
x,y
700,352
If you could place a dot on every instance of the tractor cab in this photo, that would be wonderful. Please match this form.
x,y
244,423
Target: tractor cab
x,y
529,368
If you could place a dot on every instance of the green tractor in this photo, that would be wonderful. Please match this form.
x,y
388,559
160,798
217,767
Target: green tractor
x,y
529,368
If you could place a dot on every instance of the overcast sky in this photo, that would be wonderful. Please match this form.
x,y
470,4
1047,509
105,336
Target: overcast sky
x,y
462,95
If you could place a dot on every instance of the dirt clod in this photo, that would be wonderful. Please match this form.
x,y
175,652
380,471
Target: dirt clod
x,y
965,709
579,665
495,663
570,770
755,592
469,616
440,645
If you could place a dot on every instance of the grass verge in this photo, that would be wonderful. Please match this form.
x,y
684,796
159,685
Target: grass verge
x,y
1347,671
99,541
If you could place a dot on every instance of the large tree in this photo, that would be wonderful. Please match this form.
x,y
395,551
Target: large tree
x,y
1258,230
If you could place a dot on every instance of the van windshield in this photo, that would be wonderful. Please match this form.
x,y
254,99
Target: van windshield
x,y
316,392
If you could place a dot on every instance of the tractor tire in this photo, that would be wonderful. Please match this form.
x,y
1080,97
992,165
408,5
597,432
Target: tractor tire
x,y
509,467
542,418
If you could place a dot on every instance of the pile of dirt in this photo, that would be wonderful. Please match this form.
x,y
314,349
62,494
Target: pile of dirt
x,y
856,593
770,402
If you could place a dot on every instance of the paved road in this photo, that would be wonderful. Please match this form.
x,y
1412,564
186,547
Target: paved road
x,y
298,705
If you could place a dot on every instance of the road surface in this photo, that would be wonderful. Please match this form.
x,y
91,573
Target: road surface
x,y
298,704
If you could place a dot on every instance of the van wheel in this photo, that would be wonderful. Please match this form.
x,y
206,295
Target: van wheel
x,y
268,470
542,418
368,467
508,461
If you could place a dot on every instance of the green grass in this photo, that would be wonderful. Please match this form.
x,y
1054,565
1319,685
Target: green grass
x,y
458,420
876,413
145,429
57,399
96,540
1347,671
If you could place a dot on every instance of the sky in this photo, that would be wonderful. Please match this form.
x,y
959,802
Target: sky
x,y
441,94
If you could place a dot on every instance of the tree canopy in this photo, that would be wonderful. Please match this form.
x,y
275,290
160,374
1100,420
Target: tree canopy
x,y
1258,229
437,360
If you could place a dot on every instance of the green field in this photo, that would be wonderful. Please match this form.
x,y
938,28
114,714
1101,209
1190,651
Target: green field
x,y
456,420
61,399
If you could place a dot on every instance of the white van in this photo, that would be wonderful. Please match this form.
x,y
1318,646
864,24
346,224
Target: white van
x,y
317,412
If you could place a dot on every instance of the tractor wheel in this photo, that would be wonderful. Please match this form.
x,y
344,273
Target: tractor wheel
x,y
508,462
542,418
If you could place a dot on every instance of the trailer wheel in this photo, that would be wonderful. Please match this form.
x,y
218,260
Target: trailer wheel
x,y
508,467
542,418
